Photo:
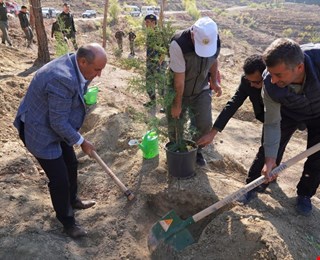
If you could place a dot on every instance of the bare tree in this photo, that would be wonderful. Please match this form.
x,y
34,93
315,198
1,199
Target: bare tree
x,y
161,16
104,24
43,51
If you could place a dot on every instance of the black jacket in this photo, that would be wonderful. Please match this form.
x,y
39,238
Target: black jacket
x,y
23,18
67,21
244,90
3,12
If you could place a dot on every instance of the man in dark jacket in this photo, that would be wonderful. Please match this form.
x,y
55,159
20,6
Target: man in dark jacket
x,y
4,26
193,54
250,86
132,36
292,86
25,25
119,37
66,23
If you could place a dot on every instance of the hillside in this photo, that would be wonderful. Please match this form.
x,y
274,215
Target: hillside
x,y
267,228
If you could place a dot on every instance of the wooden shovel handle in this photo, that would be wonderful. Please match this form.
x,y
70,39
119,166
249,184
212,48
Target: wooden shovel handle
x,y
126,191
236,195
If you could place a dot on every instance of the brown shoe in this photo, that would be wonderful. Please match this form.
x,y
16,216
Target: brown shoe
x,y
76,231
84,204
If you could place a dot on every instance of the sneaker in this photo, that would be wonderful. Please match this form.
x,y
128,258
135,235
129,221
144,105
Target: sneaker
x,y
304,206
200,159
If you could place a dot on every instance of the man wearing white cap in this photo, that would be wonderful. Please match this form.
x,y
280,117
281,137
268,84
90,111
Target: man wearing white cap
x,y
193,54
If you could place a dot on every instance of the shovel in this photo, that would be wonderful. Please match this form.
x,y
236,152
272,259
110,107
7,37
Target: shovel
x,y
126,192
171,229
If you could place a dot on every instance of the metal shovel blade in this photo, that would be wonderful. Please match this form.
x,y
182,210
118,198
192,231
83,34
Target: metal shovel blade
x,y
171,230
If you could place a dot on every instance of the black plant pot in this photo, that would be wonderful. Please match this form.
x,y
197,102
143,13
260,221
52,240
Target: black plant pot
x,y
181,164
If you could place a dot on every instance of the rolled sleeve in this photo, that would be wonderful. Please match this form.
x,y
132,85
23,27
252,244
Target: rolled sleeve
x,y
272,131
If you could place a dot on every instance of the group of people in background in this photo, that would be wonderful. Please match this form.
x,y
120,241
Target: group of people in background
x,y
119,35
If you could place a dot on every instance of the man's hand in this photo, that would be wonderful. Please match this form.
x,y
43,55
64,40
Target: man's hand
x,y
87,147
270,163
216,88
208,138
176,111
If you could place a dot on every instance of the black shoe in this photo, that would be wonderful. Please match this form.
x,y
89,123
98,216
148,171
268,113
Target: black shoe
x,y
162,110
84,204
200,160
75,231
304,206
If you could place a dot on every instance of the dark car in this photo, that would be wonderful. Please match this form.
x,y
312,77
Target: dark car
x,y
89,14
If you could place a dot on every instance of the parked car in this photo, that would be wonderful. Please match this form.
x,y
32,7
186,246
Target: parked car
x,y
46,12
145,10
89,14
13,8
133,10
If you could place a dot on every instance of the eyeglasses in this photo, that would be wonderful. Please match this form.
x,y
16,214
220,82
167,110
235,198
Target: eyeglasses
x,y
254,81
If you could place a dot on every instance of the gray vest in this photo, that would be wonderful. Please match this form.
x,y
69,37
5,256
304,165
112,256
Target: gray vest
x,y
197,68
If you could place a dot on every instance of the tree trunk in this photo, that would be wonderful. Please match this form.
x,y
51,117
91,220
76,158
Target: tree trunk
x,y
43,51
32,23
161,16
104,25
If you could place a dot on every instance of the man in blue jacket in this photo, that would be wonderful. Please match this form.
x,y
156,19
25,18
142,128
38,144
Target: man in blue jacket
x,y
292,86
48,120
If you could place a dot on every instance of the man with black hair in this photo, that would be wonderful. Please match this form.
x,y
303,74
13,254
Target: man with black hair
x,y
250,86
4,26
291,96
25,25
155,60
66,24
119,37
132,36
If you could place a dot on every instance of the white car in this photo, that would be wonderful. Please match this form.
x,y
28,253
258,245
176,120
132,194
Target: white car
x,y
89,14
47,10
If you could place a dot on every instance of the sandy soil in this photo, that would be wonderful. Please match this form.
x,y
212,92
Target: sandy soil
x,y
267,228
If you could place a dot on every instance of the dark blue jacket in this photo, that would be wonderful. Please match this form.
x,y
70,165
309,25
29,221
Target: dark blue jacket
x,y
306,105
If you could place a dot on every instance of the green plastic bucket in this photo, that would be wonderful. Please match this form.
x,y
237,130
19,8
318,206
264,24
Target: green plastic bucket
x,y
91,96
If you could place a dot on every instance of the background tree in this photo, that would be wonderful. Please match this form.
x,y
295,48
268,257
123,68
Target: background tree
x,y
104,24
43,51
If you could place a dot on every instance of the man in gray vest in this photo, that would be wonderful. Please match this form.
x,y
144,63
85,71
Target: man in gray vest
x,y
292,86
193,54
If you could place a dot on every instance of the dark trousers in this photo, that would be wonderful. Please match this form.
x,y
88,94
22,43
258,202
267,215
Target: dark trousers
x,y
287,130
199,109
62,175
310,179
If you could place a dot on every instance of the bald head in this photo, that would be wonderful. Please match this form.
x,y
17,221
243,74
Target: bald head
x,y
91,58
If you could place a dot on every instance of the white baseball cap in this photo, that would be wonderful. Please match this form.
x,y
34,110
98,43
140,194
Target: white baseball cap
x,y
205,32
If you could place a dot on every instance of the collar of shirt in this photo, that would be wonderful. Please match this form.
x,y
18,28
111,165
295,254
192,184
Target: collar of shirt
x,y
297,88
83,81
